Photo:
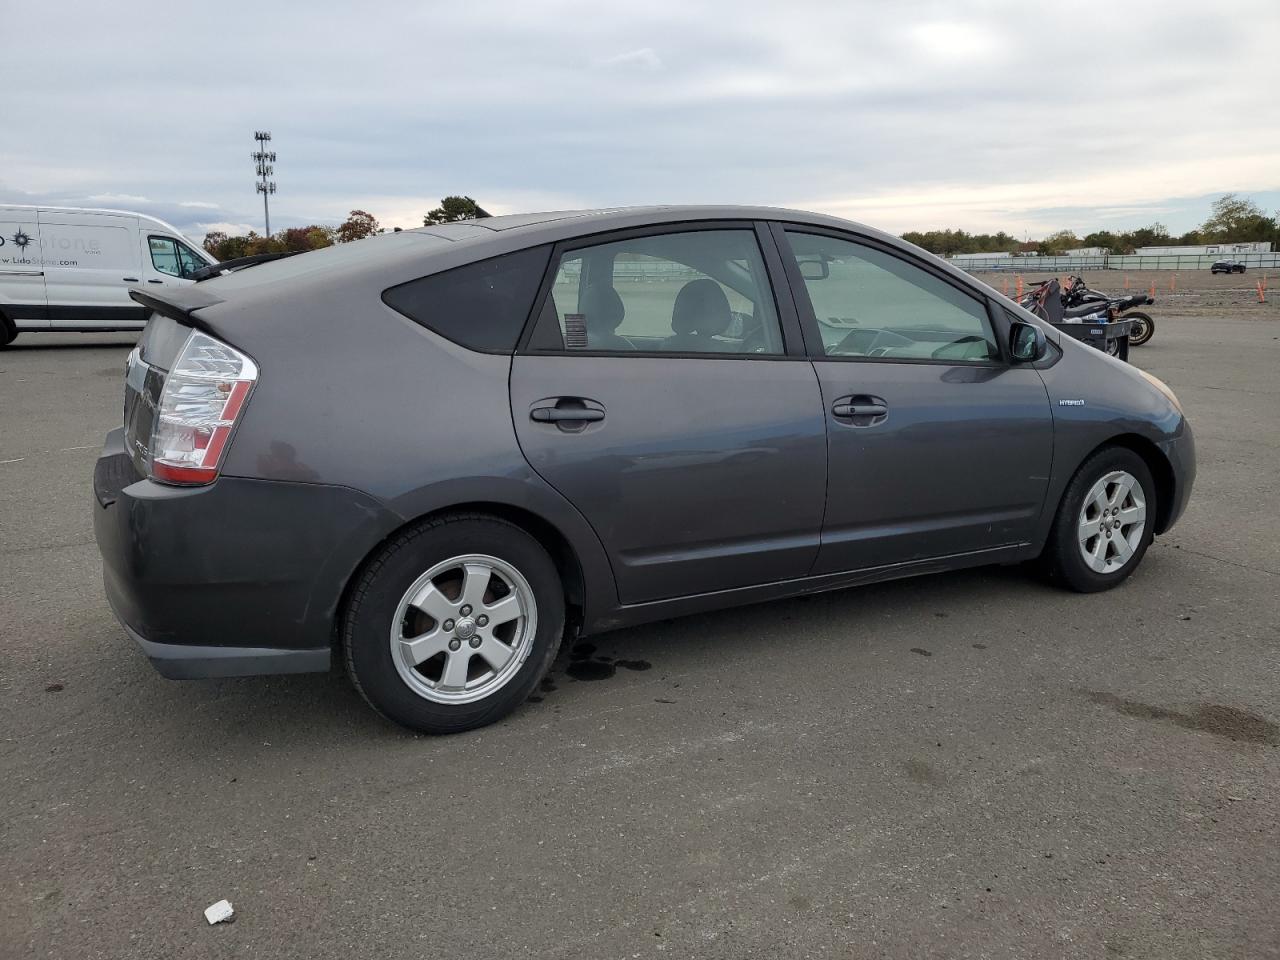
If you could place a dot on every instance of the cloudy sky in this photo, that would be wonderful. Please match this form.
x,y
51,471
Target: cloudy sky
x,y
1024,116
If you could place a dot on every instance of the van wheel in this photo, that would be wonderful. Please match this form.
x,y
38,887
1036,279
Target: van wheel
x,y
453,623
1105,522
7,331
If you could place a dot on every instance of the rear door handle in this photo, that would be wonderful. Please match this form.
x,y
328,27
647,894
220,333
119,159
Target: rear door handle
x,y
559,414
129,279
155,281
860,410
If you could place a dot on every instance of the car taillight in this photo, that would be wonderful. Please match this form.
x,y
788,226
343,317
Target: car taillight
x,y
203,394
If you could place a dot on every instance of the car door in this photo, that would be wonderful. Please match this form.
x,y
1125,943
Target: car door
x,y
22,290
937,446
664,392
90,260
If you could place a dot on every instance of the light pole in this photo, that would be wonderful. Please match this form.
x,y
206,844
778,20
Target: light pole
x,y
263,160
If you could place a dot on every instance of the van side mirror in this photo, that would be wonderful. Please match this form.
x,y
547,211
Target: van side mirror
x,y
1027,342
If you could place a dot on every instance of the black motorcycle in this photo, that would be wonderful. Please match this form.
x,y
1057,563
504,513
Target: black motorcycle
x,y
1143,328
1094,318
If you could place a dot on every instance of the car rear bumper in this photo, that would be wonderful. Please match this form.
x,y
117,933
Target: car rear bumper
x,y
235,578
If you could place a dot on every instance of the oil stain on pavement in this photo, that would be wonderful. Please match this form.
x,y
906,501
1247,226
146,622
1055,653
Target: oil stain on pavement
x,y
1221,721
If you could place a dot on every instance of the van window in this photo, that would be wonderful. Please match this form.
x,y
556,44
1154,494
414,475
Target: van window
x,y
164,255
189,260
173,257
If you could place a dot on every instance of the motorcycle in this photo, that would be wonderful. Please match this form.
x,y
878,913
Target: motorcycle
x,y
1142,328
1095,319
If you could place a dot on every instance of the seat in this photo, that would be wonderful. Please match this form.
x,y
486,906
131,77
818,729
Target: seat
x,y
603,312
701,312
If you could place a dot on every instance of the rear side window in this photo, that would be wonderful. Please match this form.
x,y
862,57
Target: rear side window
x,y
482,306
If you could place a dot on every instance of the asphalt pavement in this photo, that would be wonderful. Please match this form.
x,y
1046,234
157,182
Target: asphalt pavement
x,y
966,765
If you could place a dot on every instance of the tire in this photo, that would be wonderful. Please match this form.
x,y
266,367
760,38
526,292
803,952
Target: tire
x,y
448,565
1064,555
1144,329
7,330
1241,270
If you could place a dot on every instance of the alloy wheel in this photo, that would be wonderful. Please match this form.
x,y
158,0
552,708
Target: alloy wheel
x,y
1111,522
463,629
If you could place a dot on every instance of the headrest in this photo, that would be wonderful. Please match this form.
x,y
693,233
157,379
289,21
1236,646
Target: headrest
x,y
603,308
701,307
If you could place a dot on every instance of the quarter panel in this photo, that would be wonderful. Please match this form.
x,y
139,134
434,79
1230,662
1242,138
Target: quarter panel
x,y
351,393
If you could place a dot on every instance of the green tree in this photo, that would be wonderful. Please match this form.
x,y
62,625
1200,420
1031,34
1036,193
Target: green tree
x,y
1102,238
1056,244
1237,219
357,226
1156,235
453,209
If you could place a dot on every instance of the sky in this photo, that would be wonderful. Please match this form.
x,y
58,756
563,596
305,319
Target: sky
x,y
1029,117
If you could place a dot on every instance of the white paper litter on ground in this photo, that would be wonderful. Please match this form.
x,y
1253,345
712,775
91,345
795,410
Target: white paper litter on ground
x,y
218,912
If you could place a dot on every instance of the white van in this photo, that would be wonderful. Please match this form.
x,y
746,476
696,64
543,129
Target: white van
x,y
69,269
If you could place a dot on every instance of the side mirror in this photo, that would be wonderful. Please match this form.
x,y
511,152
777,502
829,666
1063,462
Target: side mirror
x,y
816,269
1027,342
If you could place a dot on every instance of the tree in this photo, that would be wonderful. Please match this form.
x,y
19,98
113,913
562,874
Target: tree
x,y
358,225
301,239
213,240
1237,219
1056,244
453,209
1102,238
1156,235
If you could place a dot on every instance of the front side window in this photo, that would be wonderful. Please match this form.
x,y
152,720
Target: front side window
x,y
164,255
702,291
872,304
189,260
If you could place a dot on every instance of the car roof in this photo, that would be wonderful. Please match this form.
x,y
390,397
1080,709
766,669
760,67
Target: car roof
x,y
557,224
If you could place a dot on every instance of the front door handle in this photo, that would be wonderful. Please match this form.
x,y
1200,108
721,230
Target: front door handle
x,y
129,279
860,410
560,414
155,281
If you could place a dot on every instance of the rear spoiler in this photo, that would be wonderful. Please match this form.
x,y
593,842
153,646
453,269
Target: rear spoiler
x,y
178,303
238,263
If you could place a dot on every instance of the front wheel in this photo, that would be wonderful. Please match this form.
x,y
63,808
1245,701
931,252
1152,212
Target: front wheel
x,y
453,623
1143,329
1105,522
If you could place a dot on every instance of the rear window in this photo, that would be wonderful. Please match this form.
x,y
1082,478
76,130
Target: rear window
x,y
482,306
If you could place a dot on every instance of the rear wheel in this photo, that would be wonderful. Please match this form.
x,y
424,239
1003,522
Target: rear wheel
x,y
1104,524
7,330
1143,328
453,623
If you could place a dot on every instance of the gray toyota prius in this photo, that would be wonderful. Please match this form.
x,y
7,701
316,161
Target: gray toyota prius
x,y
432,455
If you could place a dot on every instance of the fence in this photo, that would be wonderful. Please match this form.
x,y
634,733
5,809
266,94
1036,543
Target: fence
x,y
1131,262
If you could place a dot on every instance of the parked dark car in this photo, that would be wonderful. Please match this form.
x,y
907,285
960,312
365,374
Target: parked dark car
x,y
431,455
1227,266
